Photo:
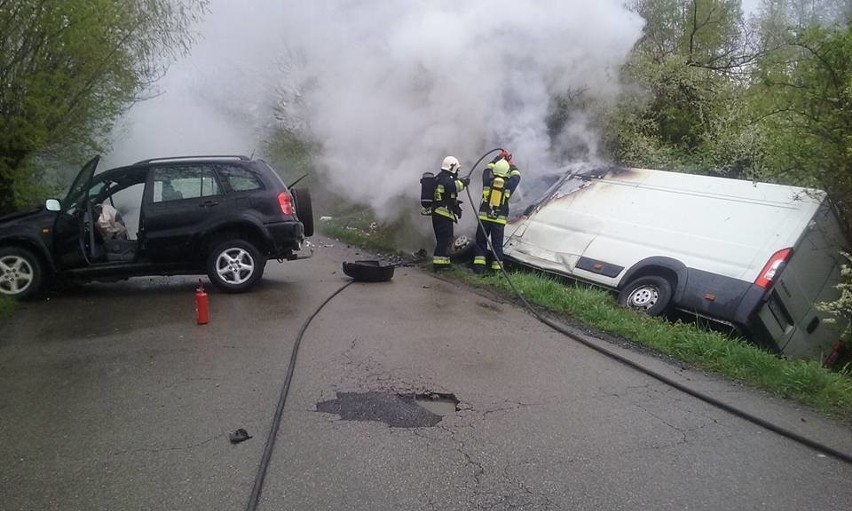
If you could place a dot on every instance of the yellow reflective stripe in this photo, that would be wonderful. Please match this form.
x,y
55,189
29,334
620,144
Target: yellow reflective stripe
x,y
486,218
440,260
514,172
495,265
443,211
479,260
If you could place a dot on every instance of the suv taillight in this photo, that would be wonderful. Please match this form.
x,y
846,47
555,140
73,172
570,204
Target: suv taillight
x,y
286,203
773,267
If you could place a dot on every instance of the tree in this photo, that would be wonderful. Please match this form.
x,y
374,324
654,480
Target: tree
x,y
684,79
806,102
69,68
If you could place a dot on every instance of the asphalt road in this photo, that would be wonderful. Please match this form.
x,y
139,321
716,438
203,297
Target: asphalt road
x,y
111,397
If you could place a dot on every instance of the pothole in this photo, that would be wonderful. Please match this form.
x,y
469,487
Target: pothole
x,y
438,403
395,410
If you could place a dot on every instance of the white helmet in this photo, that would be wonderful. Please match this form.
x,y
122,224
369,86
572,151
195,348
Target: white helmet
x,y
451,164
501,168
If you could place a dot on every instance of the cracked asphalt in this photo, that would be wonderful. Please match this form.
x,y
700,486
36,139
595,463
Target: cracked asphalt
x,y
113,398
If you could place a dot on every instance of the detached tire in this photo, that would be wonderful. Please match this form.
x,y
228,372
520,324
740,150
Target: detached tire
x,y
304,209
21,273
462,248
235,266
651,295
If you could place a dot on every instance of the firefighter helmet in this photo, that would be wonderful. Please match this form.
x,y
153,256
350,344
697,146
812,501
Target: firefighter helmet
x,y
501,168
451,164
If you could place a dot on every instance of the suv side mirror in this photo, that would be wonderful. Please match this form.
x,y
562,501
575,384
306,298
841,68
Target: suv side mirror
x,y
52,205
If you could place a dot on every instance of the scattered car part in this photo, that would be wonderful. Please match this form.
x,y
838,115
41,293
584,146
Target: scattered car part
x,y
240,435
462,248
368,271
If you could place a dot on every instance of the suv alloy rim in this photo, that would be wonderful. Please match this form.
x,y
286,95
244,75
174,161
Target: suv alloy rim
x,y
234,265
16,275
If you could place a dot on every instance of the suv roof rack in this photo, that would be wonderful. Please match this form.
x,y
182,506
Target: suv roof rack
x,y
198,157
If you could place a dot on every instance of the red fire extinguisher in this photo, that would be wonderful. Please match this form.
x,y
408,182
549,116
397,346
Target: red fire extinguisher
x,y
201,311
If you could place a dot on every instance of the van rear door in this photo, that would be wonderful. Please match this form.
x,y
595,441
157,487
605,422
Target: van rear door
x,y
809,277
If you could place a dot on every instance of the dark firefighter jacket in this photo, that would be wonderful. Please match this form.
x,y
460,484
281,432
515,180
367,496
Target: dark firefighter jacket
x,y
447,189
498,214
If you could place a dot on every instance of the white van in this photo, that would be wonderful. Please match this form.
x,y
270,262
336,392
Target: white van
x,y
758,256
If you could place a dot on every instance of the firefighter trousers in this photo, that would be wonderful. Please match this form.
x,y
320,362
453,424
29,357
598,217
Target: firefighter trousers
x,y
443,228
483,254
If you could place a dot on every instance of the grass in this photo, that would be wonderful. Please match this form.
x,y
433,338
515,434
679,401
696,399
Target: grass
x,y
6,307
805,382
357,227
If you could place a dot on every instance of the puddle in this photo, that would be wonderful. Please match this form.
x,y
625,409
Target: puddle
x,y
440,404
395,410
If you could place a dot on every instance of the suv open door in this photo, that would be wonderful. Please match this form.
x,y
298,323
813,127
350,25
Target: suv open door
x,y
70,230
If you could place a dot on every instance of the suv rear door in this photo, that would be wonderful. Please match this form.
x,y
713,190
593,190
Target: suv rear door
x,y
182,202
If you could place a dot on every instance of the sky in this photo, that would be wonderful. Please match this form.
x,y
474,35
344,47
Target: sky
x,y
387,88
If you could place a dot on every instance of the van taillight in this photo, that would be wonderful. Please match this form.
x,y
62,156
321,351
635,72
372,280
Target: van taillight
x,y
286,203
772,267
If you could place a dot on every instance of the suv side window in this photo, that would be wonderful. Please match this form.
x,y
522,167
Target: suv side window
x,y
184,182
239,179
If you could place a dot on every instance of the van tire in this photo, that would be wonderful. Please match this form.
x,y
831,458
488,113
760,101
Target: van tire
x,y
650,295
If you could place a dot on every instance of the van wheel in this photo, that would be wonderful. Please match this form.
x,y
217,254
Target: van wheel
x,y
235,266
21,273
651,295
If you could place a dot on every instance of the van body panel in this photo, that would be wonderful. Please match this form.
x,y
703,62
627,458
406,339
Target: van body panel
x,y
606,225
713,295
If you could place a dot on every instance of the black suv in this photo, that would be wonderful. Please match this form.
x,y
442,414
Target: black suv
x,y
219,215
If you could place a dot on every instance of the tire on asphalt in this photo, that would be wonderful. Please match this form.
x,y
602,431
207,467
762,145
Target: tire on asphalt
x,y
21,273
304,209
235,266
651,294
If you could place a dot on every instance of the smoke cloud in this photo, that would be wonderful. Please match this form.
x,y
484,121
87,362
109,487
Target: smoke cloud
x,y
386,88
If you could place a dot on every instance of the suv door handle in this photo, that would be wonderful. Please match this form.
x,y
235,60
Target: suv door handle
x,y
208,204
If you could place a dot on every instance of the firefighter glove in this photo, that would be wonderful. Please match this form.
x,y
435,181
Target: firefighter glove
x,y
465,181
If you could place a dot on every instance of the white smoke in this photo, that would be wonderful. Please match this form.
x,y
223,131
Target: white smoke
x,y
388,88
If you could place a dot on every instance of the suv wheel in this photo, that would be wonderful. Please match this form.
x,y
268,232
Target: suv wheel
x,y
235,266
20,272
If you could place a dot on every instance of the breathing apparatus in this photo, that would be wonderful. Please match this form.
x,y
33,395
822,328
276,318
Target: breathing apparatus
x,y
427,193
497,190
427,184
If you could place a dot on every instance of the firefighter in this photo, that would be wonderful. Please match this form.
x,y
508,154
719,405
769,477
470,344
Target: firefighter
x,y
446,209
499,181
